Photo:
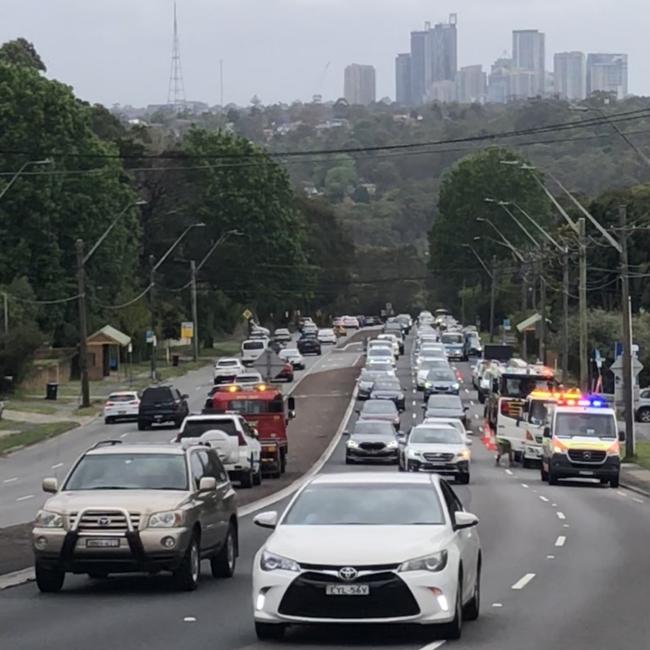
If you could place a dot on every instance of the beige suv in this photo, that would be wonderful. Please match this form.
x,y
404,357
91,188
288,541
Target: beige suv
x,y
138,508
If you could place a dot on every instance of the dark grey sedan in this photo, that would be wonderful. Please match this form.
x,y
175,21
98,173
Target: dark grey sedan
x,y
372,441
441,382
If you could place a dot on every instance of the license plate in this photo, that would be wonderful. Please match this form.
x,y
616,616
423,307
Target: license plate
x,y
121,412
102,543
585,472
347,590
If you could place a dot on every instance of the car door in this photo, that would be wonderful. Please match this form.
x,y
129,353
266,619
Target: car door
x,y
206,501
253,444
466,540
226,500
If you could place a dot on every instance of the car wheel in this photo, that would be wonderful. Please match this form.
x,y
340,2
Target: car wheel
x,y
269,631
223,563
108,420
142,425
186,577
246,480
348,460
48,580
525,463
257,477
552,477
463,479
473,606
454,629
283,463
544,473
614,482
643,415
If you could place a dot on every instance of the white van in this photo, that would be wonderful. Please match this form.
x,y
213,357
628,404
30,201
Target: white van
x,y
252,350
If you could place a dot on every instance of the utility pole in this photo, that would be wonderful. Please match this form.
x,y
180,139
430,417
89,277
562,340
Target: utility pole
x,y
152,284
582,305
462,303
195,316
565,316
493,292
628,382
5,304
83,326
542,322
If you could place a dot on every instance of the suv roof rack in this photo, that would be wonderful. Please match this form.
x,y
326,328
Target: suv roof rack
x,y
106,443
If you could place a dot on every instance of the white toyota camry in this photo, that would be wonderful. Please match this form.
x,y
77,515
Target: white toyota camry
x,y
368,548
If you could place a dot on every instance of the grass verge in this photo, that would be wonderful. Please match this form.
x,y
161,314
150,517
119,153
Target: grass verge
x,y
30,407
30,434
642,453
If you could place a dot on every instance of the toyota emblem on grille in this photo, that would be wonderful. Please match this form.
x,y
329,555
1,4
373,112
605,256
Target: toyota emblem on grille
x,y
348,573
104,522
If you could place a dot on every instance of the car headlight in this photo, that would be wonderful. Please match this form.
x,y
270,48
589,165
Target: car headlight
x,y
463,455
392,444
434,562
455,386
48,519
427,384
353,444
272,562
413,453
168,519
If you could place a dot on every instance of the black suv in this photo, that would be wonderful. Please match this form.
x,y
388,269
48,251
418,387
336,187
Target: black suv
x,y
309,344
160,404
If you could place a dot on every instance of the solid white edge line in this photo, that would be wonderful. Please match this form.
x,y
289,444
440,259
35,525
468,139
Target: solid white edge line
x,y
560,541
509,472
560,515
544,499
522,582
248,509
16,578
433,646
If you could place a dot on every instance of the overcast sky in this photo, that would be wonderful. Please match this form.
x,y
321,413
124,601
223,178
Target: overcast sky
x,y
118,51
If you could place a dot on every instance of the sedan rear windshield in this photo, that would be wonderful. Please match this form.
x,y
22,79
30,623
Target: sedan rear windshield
x,y
227,364
374,428
389,386
358,504
444,402
129,472
131,397
379,407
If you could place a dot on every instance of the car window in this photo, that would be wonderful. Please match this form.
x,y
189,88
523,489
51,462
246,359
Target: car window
x,y
453,502
122,397
197,468
247,428
217,467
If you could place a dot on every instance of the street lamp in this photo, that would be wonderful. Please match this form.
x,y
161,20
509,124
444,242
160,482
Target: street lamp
x,y
194,269
83,318
506,241
152,282
15,177
504,205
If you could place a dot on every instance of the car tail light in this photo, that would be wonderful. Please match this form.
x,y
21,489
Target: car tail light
x,y
110,403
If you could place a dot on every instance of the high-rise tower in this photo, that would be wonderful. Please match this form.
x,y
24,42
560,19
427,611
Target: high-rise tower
x,y
176,91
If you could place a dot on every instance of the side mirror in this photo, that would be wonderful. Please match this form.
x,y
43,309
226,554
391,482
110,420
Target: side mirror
x,y
547,432
357,411
291,404
50,485
185,396
267,519
621,436
346,433
465,520
466,408
207,484
468,441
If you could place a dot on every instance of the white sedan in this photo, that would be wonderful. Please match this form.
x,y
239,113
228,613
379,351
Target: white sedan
x,y
327,336
123,405
368,548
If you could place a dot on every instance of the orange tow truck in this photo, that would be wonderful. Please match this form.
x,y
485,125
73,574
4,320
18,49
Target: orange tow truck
x,y
267,411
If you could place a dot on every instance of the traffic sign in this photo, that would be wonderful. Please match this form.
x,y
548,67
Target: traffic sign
x,y
247,314
187,330
506,324
149,336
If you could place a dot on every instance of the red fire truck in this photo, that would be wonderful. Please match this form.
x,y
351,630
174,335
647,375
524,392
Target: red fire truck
x,y
266,409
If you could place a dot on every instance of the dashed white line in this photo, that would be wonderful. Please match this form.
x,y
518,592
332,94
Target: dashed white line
x,y
414,416
550,557
433,646
13,479
560,540
565,526
637,500
57,466
560,515
27,496
509,472
189,619
124,435
524,485
620,493
414,402
471,402
554,505
522,582
497,604
543,498
476,416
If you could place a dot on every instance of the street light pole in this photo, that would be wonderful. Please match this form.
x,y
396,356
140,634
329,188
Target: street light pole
x,y
195,316
493,295
582,305
17,175
565,317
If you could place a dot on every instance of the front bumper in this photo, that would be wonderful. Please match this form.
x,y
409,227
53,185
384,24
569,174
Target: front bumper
x,y
137,551
532,451
563,467
458,468
300,598
360,455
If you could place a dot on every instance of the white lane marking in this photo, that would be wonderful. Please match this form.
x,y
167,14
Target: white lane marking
x,y
637,500
497,604
433,646
522,582
189,619
560,515
509,472
124,435
524,485
27,496
13,479
414,416
542,498
57,466
560,540
476,416
414,402
550,557
471,403
621,494
554,505
467,391
566,526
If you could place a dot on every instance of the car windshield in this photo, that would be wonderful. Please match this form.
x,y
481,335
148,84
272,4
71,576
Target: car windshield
x,y
441,375
129,472
537,411
523,386
380,351
444,402
438,422
122,397
379,407
590,425
374,428
291,353
452,339
435,436
359,504
381,365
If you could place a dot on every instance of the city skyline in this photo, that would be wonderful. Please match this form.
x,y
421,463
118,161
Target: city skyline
x,y
279,56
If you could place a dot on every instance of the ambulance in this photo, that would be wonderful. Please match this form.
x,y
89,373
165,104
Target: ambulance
x,y
581,440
